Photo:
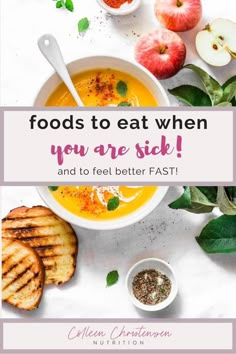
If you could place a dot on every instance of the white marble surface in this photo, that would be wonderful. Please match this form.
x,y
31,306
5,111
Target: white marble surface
x,y
207,283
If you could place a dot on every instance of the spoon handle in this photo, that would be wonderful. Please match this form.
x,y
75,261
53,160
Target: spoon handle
x,y
50,49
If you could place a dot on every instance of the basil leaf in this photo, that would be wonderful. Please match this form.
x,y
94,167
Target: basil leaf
x,y
219,235
112,278
83,24
212,87
113,203
122,88
69,5
191,95
230,92
124,104
184,201
53,188
226,206
59,4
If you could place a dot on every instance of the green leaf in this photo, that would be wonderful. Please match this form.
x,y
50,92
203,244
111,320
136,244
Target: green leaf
x,y
122,88
69,5
191,95
194,201
213,88
224,104
226,206
233,102
219,235
59,4
209,192
230,92
124,104
53,188
200,203
184,201
112,278
228,82
231,192
113,203
83,24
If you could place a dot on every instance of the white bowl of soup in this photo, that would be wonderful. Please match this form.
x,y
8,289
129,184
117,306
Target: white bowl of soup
x,y
103,81
102,207
96,78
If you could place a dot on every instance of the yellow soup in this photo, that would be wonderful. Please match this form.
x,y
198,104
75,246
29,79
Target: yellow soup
x,y
103,203
102,87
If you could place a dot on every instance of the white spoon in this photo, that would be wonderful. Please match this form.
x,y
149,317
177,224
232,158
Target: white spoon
x,y
50,49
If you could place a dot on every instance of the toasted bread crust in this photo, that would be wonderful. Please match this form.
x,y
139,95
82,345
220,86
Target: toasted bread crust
x,y
49,235
23,275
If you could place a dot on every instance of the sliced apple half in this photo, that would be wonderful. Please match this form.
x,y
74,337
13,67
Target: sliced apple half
x,y
216,44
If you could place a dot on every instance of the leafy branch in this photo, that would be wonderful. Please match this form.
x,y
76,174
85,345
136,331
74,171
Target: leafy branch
x,y
219,235
214,94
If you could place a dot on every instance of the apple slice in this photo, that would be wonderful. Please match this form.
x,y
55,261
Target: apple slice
x,y
216,44
162,52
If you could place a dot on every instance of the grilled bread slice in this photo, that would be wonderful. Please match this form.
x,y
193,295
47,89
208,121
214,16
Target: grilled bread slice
x,y
22,275
49,235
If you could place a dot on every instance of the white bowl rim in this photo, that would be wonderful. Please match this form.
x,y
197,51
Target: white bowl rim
x,y
162,305
112,57
130,7
111,224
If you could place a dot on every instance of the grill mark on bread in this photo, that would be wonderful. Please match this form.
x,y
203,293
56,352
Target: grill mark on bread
x,y
12,266
27,273
32,238
12,261
49,235
19,217
25,229
17,277
23,279
28,282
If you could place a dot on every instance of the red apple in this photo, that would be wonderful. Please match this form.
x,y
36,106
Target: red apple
x,y
178,15
162,52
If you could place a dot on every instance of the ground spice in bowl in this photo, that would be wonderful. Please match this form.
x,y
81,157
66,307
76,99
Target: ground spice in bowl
x,y
151,287
116,4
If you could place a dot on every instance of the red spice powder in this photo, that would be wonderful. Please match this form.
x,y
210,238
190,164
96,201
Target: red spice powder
x,y
116,4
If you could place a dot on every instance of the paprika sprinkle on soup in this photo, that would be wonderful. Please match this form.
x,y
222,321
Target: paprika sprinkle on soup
x,y
116,4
